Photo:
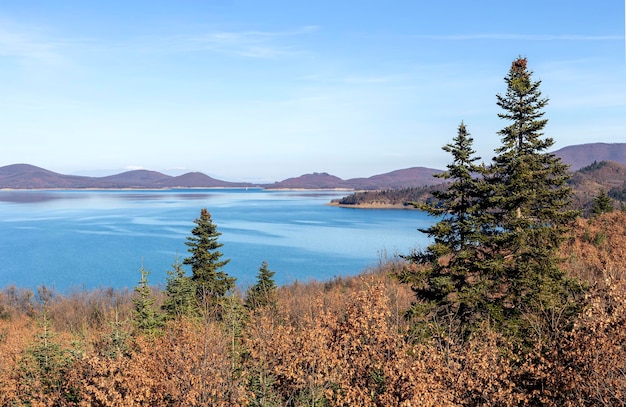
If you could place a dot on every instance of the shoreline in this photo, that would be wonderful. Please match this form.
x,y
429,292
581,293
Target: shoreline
x,y
373,206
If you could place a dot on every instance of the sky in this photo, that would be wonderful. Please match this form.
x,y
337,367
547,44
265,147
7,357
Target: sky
x,y
261,91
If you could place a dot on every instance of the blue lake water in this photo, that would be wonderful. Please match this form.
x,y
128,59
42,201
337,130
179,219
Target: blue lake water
x,y
76,239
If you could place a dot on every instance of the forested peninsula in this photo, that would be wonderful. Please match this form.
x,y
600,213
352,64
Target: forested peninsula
x,y
597,180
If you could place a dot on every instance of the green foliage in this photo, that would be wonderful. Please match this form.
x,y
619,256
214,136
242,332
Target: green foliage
x,y
261,385
43,366
145,317
448,282
263,293
602,203
593,167
403,196
181,293
212,283
495,251
529,198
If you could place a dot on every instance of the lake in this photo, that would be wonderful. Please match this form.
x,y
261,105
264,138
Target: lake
x,y
86,239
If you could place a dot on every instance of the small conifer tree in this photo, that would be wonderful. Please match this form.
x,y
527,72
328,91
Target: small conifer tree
x,y
181,293
212,283
602,203
263,293
146,318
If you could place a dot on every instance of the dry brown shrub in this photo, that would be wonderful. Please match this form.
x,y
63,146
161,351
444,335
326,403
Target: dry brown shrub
x,y
82,312
592,367
351,354
188,365
596,246
16,333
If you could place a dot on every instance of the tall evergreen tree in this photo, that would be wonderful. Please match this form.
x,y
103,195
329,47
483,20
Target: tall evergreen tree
x,y
495,250
212,283
529,197
447,285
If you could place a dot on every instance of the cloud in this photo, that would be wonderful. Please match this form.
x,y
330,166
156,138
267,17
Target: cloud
x,y
249,44
29,45
523,37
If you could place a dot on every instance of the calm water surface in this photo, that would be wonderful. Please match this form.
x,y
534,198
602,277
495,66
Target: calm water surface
x,y
67,239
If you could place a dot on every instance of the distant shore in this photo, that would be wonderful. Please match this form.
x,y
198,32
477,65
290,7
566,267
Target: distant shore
x,y
372,206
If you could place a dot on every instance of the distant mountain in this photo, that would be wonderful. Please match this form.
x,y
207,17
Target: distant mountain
x,y
407,178
134,179
200,180
582,155
25,176
316,180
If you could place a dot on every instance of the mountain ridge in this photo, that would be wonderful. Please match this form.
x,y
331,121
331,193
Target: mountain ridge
x,y
27,176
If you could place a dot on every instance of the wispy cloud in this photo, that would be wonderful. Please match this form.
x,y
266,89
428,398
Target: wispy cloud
x,y
350,79
524,37
28,45
249,44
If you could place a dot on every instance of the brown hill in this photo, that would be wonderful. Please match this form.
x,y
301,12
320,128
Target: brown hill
x,y
582,155
135,179
199,180
316,180
607,176
25,176
408,178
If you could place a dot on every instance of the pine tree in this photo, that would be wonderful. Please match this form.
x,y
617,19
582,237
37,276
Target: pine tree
x,y
602,203
263,293
212,283
181,293
146,318
44,364
447,285
529,197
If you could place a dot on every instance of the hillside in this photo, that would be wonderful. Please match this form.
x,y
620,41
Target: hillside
x,y
586,183
607,176
582,155
25,176
406,178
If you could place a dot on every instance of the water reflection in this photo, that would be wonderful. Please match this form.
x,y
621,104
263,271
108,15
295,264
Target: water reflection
x,y
34,196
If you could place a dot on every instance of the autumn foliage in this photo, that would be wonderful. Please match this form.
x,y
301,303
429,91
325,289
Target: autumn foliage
x,y
344,342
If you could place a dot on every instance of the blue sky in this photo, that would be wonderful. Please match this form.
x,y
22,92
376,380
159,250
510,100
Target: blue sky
x,y
265,90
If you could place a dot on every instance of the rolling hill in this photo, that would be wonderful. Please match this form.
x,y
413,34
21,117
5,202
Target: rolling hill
x,y
582,155
25,176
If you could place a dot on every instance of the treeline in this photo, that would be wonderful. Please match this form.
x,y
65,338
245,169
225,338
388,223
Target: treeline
x,y
584,195
389,197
